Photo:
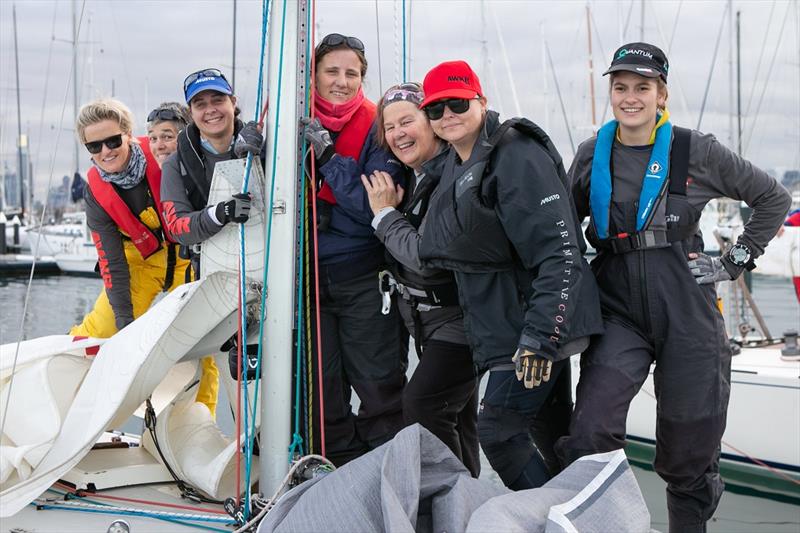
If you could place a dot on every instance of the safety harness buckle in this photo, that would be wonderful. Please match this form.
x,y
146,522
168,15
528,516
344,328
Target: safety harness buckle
x,y
641,240
386,286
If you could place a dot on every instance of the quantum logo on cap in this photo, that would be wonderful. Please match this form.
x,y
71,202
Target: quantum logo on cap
x,y
462,79
634,51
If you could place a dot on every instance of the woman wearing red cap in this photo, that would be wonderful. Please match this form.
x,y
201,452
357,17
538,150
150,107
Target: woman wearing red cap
x,y
441,394
644,184
362,348
502,221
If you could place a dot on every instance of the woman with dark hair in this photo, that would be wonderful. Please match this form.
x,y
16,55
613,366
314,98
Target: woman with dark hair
x,y
362,348
441,394
502,221
644,183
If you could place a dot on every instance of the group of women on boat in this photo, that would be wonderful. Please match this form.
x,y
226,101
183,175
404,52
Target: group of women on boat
x,y
438,220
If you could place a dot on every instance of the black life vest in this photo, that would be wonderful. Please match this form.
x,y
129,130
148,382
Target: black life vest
x,y
437,288
192,163
681,221
463,216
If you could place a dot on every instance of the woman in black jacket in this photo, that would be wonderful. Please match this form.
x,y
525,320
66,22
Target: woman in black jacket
x,y
502,221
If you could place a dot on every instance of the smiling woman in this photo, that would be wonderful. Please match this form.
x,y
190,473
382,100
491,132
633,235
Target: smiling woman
x,y
362,348
137,258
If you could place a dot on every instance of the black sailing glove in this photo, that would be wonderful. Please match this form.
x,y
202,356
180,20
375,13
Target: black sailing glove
x,y
531,368
249,140
707,269
237,209
319,138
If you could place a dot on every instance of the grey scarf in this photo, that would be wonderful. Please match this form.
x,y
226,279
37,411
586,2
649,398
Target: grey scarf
x,y
133,173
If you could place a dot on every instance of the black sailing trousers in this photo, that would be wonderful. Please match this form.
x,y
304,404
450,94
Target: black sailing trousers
x,y
365,351
442,395
683,332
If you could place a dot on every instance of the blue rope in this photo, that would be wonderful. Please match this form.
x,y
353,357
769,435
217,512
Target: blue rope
x,y
405,78
248,433
143,514
273,174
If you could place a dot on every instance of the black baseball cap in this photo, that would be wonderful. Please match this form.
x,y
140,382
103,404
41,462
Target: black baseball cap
x,y
640,58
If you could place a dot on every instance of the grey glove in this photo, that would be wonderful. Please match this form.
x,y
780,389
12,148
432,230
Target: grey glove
x,y
237,209
531,368
249,140
320,139
707,269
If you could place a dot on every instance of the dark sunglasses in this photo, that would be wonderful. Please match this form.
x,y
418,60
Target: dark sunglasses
x,y
435,110
205,73
113,142
336,39
164,114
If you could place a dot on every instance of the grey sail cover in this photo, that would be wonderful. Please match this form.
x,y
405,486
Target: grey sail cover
x,y
414,483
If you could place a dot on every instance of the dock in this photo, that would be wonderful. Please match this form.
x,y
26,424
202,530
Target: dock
x,y
17,264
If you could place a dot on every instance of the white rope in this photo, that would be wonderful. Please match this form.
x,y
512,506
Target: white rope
x,y
269,504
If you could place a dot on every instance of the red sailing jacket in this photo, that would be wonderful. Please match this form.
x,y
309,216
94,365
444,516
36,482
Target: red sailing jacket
x,y
143,237
351,139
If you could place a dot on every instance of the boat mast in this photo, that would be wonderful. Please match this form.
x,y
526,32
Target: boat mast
x,y
738,85
75,79
20,169
591,68
233,50
286,83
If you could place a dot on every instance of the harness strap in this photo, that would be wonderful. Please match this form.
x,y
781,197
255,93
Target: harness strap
x,y
646,239
172,259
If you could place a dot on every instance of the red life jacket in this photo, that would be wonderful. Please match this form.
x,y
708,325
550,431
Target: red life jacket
x,y
106,195
351,140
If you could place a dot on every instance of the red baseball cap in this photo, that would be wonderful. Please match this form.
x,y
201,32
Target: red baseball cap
x,y
451,79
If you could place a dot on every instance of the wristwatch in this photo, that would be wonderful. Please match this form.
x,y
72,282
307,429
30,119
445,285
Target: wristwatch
x,y
741,256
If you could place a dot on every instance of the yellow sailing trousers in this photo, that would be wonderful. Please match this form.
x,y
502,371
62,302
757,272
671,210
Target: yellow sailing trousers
x,y
147,281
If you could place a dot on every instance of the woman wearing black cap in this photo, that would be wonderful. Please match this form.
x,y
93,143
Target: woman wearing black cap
x,y
362,348
644,184
502,221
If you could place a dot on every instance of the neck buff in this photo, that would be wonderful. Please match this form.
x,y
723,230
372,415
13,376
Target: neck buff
x,y
335,116
654,180
660,122
132,174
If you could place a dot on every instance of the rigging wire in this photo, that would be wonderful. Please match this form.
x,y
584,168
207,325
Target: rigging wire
x,y
674,28
766,80
760,59
378,40
35,248
46,85
713,64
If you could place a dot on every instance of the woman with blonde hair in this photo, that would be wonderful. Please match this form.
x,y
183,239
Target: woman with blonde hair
x,y
136,255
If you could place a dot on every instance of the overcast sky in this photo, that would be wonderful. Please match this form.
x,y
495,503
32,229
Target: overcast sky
x,y
143,50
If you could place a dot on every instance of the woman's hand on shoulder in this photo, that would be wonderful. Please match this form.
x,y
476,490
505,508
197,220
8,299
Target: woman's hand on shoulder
x,y
382,192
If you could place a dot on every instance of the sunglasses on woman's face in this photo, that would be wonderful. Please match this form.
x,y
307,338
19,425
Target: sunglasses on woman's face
x,y
335,39
435,110
113,142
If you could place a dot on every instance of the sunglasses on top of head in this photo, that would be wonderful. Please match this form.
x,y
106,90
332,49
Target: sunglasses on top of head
x,y
113,142
164,114
435,111
205,73
336,39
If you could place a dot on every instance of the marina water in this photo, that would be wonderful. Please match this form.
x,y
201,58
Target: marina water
x,y
58,302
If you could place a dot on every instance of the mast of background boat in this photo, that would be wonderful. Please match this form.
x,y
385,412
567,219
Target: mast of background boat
x,y
233,49
591,68
560,99
285,89
738,85
75,79
20,169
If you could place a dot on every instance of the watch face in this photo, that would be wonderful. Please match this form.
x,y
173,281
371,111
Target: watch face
x,y
739,254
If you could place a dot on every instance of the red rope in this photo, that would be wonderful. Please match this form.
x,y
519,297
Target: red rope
x,y
316,235
86,494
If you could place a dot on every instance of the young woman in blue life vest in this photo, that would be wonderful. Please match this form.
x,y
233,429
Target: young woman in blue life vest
x,y
442,394
501,220
362,348
136,253
644,182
